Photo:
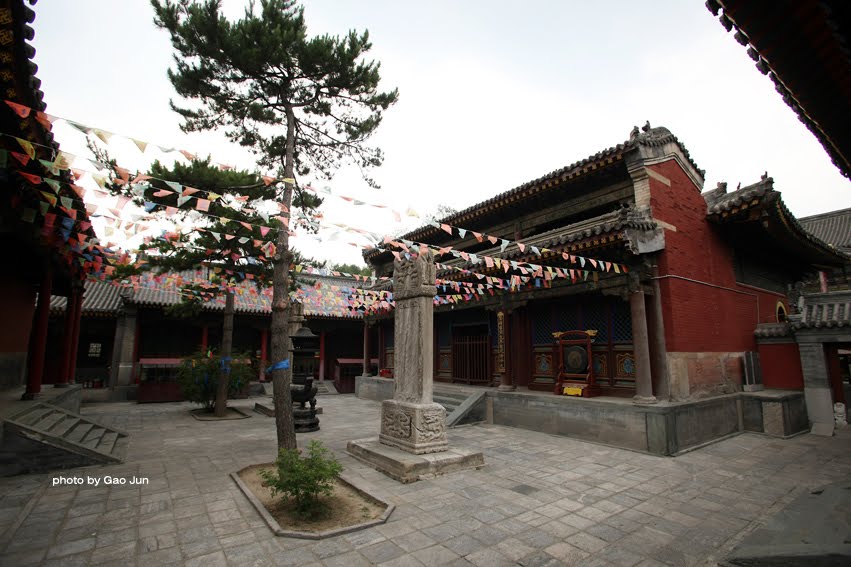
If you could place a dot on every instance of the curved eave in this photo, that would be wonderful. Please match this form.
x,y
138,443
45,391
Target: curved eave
x,y
608,241
477,216
802,45
766,213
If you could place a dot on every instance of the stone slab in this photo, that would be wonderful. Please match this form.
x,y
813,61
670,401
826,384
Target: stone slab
x,y
269,409
407,467
812,530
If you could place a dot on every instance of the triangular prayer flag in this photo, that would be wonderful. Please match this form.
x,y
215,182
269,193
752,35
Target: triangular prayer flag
x,y
24,159
34,179
44,120
102,134
19,109
27,146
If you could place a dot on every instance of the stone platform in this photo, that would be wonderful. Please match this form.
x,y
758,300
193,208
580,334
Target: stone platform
x,y
407,467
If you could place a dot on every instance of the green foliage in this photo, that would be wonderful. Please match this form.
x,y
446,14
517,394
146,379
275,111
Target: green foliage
x,y
353,269
198,376
256,76
304,479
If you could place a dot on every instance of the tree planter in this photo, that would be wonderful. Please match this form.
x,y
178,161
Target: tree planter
x,y
261,503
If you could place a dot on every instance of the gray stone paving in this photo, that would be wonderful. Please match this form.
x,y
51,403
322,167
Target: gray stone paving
x,y
540,500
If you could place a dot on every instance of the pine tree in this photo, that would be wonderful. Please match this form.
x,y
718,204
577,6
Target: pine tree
x,y
302,105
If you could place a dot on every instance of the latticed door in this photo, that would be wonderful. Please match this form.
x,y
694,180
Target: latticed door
x,y
471,359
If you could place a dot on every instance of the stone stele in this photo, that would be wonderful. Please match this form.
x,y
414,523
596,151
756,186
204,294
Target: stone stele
x,y
412,444
411,421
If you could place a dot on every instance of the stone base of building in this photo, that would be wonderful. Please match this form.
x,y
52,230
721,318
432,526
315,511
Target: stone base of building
x,y
415,428
406,467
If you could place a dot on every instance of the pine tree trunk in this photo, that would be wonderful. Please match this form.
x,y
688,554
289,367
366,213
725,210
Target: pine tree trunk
x,y
227,348
282,378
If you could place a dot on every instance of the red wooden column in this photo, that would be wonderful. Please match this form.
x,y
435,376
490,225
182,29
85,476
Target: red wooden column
x,y
264,338
38,340
67,340
205,337
503,326
75,347
365,348
321,356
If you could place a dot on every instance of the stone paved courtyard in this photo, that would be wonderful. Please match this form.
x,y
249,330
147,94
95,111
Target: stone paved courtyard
x,y
540,499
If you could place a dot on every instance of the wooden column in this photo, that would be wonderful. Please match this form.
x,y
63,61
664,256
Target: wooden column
x,y
264,338
127,348
503,325
321,356
67,340
365,348
38,340
205,337
75,347
658,350
641,346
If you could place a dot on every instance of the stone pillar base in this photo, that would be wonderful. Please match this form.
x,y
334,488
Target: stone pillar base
x,y
506,388
644,400
415,428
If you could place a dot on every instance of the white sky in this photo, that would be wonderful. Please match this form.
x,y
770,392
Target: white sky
x,y
492,94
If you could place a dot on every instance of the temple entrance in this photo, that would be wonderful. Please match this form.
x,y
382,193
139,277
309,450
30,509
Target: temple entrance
x,y
471,354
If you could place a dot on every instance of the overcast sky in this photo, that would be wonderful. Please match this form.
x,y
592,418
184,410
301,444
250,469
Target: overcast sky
x,y
492,94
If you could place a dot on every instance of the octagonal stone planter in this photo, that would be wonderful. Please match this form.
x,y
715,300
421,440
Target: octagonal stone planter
x,y
283,532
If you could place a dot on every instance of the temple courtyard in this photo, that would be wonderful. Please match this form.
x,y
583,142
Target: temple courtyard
x,y
539,499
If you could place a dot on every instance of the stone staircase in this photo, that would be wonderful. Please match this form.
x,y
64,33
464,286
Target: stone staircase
x,y
449,399
462,406
47,437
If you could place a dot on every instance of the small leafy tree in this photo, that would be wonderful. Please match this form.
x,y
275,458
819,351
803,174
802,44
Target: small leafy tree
x,y
198,377
304,479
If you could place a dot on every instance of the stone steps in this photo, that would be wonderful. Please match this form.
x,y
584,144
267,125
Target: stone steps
x,y
449,399
69,432
462,406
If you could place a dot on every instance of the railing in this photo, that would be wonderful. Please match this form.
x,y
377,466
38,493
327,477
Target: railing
x,y
832,309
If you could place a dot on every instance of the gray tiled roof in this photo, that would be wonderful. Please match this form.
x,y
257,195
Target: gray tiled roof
x,y
100,298
650,137
105,298
833,227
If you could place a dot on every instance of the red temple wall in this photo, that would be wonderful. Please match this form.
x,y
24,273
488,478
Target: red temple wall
x,y
702,317
709,321
781,365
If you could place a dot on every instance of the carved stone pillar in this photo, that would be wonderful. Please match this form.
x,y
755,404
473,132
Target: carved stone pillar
x,y
411,421
641,347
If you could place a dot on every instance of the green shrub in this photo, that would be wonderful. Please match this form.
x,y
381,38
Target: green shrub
x,y
304,479
198,376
